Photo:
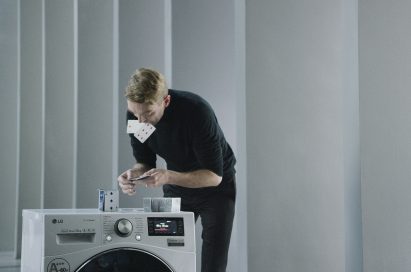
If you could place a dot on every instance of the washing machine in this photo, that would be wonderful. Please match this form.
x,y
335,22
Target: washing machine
x,y
88,240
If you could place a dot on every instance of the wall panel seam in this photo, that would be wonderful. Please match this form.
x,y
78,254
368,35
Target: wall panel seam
x,y
115,108
75,102
17,200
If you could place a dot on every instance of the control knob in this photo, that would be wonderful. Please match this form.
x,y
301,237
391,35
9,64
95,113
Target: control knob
x,y
123,227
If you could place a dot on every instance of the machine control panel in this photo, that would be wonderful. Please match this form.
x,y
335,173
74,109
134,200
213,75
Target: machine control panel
x,y
143,228
165,226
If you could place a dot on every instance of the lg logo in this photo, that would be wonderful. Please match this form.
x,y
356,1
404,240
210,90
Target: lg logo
x,y
57,221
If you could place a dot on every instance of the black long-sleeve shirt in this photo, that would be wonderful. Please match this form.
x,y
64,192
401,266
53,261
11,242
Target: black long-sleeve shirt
x,y
189,138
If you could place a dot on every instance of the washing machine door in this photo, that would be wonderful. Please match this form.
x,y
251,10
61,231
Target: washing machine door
x,y
125,260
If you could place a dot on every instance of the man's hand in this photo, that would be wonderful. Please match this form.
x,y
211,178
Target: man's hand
x,y
124,180
193,179
126,184
156,177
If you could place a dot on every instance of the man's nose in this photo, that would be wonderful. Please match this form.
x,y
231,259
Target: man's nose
x,y
141,119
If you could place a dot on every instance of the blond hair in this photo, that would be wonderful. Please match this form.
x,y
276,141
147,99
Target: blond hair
x,y
146,86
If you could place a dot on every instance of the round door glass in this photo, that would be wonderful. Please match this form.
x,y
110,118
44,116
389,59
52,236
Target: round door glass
x,y
124,260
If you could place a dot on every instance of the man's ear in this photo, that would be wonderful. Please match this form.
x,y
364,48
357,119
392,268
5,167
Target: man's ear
x,y
167,100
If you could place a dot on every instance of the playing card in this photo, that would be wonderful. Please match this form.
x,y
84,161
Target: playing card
x,y
133,126
144,131
140,177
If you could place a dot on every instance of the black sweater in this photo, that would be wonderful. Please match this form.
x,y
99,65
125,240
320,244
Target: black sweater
x,y
189,138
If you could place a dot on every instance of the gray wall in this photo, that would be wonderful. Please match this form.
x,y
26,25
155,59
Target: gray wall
x,y
59,105
9,107
385,83
97,93
208,59
64,80
144,41
302,136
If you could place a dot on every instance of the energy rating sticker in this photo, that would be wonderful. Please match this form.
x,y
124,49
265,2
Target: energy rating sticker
x,y
58,265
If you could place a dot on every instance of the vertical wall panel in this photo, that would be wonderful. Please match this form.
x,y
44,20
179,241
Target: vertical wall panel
x,y
95,100
59,104
204,56
302,92
238,252
31,101
385,102
8,118
30,191
142,43
351,138
115,94
207,46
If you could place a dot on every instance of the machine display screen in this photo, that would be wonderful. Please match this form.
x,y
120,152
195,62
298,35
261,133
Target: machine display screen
x,y
165,226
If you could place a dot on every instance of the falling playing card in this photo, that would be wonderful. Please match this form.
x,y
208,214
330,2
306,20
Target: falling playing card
x,y
140,130
144,131
133,126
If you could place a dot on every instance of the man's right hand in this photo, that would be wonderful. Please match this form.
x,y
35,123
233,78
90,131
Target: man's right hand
x,y
126,185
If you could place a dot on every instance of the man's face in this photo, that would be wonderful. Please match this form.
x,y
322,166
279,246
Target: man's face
x,y
149,113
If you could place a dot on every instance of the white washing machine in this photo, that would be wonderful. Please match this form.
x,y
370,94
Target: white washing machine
x,y
88,240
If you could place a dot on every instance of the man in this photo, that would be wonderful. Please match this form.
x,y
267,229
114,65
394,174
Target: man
x,y
200,163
